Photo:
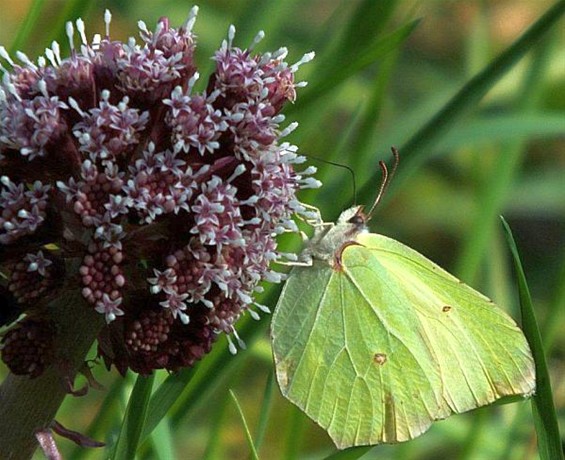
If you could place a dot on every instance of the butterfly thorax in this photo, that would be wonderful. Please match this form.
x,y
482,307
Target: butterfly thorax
x,y
330,239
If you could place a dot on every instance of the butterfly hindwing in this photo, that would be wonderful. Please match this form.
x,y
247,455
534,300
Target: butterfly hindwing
x,y
328,343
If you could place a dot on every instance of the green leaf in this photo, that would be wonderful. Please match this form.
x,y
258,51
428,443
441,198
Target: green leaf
x,y
374,342
415,150
245,426
162,442
545,418
165,397
504,128
265,409
28,26
341,70
367,22
132,426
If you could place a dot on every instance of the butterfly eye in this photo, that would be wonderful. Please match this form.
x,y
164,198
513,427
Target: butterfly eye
x,y
357,219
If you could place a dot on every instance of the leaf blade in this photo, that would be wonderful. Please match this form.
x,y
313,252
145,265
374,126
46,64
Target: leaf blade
x,y
248,436
543,408
415,149
134,419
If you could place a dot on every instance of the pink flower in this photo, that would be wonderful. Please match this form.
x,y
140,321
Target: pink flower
x,y
168,200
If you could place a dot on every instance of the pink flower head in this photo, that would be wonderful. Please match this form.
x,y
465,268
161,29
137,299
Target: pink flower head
x,y
167,200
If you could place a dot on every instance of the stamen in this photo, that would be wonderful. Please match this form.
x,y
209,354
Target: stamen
x,y
310,182
81,31
232,348
69,29
74,104
279,118
263,308
23,57
254,314
142,26
4,54
231,35
240,342
42,86
279,54
56,52
238,171
107,21
192,81
158,31
260,36
290,128
288,256
309,171
51,57
95,44
183,317
306,58
189,23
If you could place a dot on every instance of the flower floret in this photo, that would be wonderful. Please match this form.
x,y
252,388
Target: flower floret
x,y
157,202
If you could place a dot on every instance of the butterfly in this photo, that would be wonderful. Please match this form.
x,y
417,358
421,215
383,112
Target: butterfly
x,y
374,341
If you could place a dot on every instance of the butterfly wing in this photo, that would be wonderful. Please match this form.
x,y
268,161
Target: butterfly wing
x,y
376,351
329,340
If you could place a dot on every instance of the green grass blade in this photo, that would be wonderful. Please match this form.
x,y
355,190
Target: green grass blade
x,y
414,151
343,68
102,422
265,409
165,397
554,326
28,26
162,442
214,447
368,21
254,455
504,128
545,418
295,433
132,426
497,184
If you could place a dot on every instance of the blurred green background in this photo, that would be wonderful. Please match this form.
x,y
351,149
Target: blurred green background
x,y
370,89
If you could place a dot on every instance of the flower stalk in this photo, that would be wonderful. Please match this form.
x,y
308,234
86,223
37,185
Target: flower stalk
x,y
30,404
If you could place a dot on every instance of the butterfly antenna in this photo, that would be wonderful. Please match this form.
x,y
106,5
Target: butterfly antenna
x,y
386,178
339,165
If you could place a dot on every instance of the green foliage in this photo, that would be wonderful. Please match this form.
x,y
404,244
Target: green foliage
x,y
134,419
476,145
545,418
250,443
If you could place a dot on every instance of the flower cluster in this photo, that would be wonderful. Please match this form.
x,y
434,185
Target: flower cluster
x,y
160,203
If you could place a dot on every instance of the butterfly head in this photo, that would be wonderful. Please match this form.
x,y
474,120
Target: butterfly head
x,y
354,218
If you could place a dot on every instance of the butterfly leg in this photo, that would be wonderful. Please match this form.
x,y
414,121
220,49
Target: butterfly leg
x,y
311,216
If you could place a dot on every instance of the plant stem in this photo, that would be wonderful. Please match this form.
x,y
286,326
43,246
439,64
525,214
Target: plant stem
x,y
28,405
